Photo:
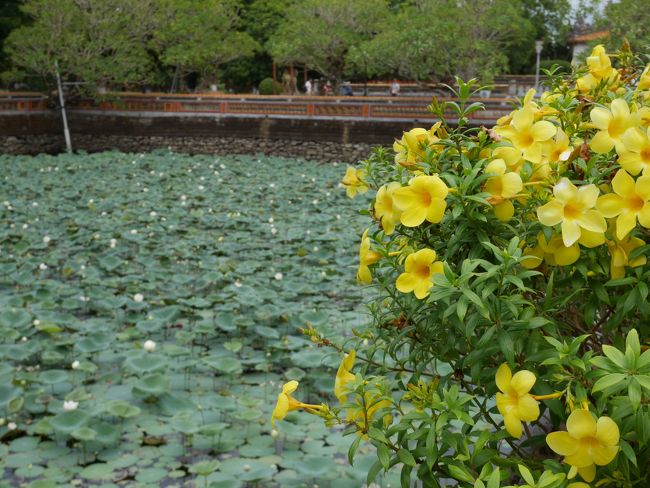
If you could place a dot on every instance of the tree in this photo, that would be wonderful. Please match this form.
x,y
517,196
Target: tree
x,y
98,42
259,19
11,17
627,19
429,39
320,34
200,36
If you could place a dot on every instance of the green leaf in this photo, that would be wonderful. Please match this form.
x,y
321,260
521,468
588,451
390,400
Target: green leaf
x,y
353,449
461,474
495,479
406,457
616,356
526,474
634,392
610,380
384,455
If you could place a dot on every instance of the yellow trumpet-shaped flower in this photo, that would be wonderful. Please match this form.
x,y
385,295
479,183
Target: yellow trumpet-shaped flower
x,y
354,182
366,258
553,252
629,202
620,250
634,154
385,209
423,199
587,443
502,187
419,269
600,68
514,401
572,208
557,149
512,157
526,135
286,403
411,148
611,124
344,376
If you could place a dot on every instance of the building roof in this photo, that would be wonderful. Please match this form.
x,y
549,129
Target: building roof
x,y
589,36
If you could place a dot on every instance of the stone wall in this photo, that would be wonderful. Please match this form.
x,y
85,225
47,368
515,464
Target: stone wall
x,y
319,139
319,151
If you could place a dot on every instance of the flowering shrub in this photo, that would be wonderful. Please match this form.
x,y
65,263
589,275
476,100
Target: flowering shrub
x,y
510,314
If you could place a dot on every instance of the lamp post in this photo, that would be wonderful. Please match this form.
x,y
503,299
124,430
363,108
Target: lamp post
x,y
538,49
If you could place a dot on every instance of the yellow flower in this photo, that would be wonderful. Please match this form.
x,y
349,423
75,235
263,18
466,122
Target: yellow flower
x,y
611,124
634,154
527,135
557,149
573,208
600,68
502,188
344,376
553,252
587,443
423,199
630,200
385,210
510,155
286,403
412,147
366,258
514,401
419,269
620,250
354,182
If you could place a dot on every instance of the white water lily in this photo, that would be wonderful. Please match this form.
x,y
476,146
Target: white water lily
x,y
70,405
75,365
46,239
138,298
42,266
149,346
278,276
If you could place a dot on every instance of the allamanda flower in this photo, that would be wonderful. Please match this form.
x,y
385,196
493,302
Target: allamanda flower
x,y
600,68
366,258
572,208
412,147
630,200
634,155
611,124
514,402
286,403
526,135
419,269
385,209
587,443
344,376
502,187
620,250
553,252
354,182
423,199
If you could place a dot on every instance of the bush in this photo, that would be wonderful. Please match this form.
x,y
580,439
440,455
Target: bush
x,y
269,87
509,271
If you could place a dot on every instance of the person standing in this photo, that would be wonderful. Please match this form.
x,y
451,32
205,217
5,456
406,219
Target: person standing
x,y
308,87
394,88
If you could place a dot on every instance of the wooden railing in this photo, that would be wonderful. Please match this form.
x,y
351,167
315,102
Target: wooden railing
x,y
411,108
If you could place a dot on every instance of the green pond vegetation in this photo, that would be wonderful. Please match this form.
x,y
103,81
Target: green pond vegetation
x,y
150,307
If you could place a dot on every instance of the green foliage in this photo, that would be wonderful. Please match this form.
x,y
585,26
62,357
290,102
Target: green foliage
x,y
320,34
270,87
627,20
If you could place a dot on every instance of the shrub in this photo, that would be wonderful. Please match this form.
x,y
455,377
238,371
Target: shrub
x,y
270,87
510,312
